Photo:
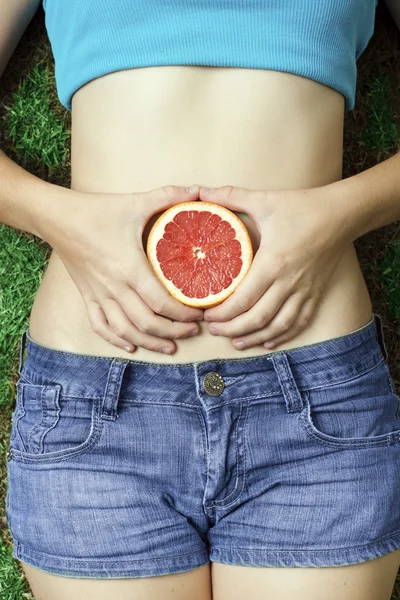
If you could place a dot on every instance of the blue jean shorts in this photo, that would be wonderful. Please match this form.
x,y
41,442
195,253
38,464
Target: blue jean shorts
x,y
122,468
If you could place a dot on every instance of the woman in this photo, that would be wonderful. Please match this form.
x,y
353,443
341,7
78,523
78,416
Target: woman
x,y
137,474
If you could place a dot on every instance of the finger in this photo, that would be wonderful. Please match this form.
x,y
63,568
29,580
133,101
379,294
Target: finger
x,y
256,282
284,317
100,325
120,323
258,316
303,319
145,320
236,198
160,199
146,284
281,322
154,293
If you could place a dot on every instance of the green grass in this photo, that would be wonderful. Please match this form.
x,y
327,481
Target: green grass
x,y
380,133
21,268
390,277
13,585
32,130
35,132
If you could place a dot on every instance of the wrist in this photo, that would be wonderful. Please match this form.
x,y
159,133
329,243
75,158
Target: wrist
x,y
369,200
344,210
47,210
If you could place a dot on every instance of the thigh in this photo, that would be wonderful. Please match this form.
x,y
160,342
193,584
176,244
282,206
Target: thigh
x,y
370,580
188,585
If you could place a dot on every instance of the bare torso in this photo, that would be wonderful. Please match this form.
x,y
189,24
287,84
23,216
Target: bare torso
x,y
140,129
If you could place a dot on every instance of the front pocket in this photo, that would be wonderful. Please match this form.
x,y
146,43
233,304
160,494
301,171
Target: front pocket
x,y
46,425
357,413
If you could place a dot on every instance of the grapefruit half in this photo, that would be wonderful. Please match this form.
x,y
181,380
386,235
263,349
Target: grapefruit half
x,y
200,251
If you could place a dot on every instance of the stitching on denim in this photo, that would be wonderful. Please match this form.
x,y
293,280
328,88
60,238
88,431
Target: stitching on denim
x,y
41,426
384,439
202,362
112,389
261,397
244,399
389,379
339,382
35,554
56,392
20,414
244,464
206,450
38,426
206,505
292,387
23,379
381,337
238,471
382,539
96,429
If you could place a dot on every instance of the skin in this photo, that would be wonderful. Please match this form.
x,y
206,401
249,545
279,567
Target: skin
x,y
285,134
290,131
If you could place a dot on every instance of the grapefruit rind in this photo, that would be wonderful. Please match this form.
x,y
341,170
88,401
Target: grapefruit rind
x,y
242,235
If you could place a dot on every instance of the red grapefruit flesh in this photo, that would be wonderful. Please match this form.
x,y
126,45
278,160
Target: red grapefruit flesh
x,y
200,251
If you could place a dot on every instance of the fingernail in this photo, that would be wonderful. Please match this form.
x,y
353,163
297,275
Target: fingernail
x,y
213,331
208,190
194,332
128,348
166,350
269,344
191,189
240,345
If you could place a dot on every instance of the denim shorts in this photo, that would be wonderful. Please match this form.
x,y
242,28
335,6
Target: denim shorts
x,y
122,468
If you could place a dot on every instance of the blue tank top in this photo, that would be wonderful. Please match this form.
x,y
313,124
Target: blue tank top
x,y
317,39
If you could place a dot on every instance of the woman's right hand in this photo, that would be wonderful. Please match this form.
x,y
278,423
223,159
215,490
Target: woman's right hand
x,y
98,236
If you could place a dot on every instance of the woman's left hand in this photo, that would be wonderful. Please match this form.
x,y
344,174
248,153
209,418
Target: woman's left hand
x,y
302,238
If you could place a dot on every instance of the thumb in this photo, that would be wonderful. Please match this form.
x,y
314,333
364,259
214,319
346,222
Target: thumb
x,y
232,197
169,195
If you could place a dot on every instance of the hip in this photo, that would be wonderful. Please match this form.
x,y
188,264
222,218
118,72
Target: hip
x,y
59,320
123,139
236,443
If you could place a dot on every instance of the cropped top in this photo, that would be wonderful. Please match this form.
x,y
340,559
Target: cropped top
x,y
317,39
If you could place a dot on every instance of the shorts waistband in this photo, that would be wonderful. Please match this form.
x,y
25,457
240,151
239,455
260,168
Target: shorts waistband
x,y
315,365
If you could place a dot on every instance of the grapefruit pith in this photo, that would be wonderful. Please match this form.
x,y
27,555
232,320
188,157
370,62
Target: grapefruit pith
x,y
200,251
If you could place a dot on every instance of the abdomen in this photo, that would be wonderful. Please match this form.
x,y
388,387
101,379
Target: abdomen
x,y
140,129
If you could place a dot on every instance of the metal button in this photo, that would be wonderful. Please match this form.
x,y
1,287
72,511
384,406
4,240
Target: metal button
x,y
213,383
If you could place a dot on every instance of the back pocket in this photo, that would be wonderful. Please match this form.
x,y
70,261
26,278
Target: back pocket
x,y
46,425
358,413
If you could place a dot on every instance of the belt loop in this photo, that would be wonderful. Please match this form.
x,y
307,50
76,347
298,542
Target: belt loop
x,y
113,388
22,344
379,331
291,393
